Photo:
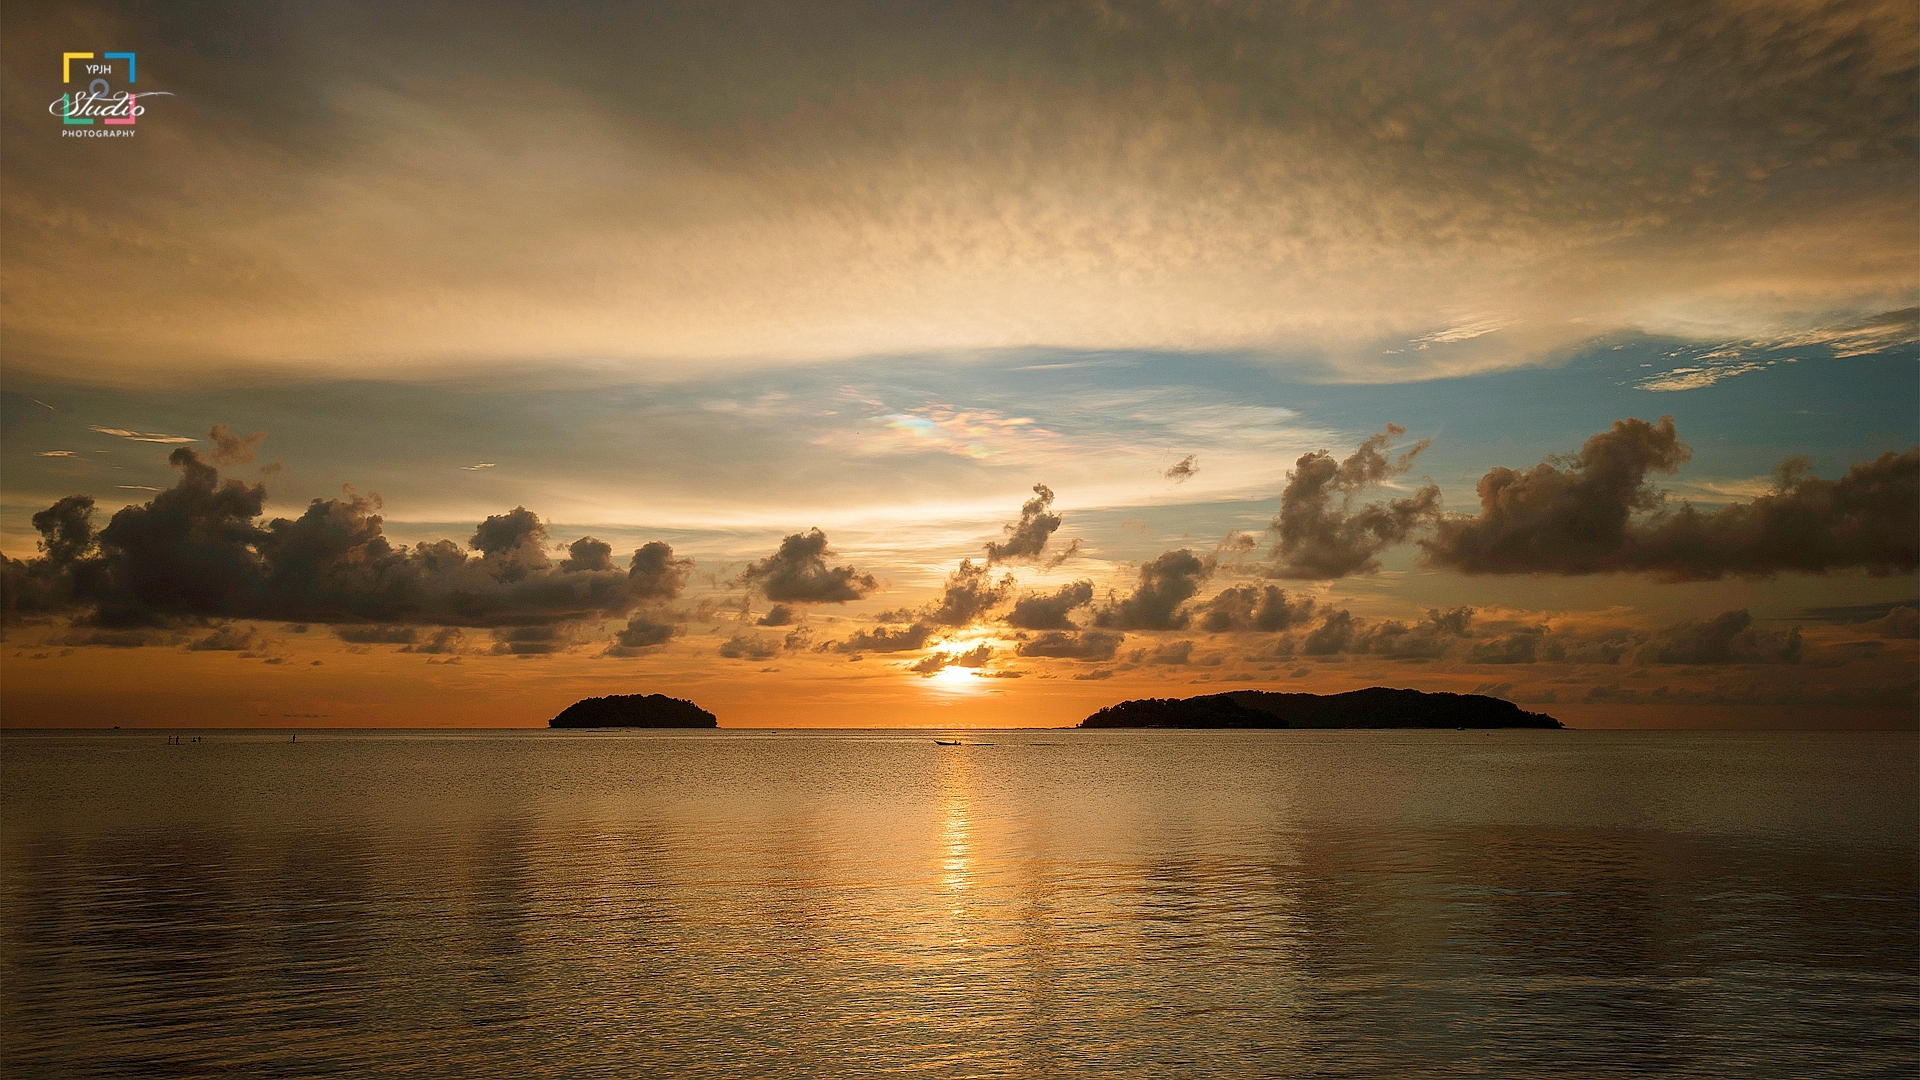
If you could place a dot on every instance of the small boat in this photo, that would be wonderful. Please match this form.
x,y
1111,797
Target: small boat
x,y
947,742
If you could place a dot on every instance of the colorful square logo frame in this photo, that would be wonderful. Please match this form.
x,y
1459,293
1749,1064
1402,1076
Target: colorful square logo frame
x,y
66,76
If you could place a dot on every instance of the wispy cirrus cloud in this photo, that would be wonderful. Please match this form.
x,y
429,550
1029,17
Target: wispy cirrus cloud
x,y
141,436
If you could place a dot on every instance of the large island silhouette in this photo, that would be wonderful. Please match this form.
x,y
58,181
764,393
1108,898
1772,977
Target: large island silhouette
x,y
634,710
1374,707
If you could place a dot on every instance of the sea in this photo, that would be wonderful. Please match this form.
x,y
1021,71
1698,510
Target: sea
x,y
1030,903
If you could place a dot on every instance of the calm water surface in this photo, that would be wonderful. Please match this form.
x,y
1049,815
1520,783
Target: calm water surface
x,y
1324,904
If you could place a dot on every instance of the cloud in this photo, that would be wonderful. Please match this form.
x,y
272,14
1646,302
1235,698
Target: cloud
x,y
1430,639
1728,638
781,615
232,637
1578,516
1565,520
974,434
1884,332
1252,607
140,436
798,573
377,635
1088,645
66,528
1697,378
476,468
588,553
1521,646
53,453
513,543
529,640
231,449
1366,183
1155,603
1334,635
198,551
883,640
1183,470
1436,636
969,594
1169,654
445,639
1027,538
1901,622
971,658
750,647
654,574
1321,538
1048,611
643,632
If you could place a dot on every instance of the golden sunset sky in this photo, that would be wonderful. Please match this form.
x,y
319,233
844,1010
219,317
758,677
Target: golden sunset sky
x,y
892,364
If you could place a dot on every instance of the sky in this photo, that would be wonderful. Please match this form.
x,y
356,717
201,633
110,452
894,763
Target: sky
x,y
895,364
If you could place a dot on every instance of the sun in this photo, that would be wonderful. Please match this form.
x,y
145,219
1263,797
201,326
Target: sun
x,y
956,678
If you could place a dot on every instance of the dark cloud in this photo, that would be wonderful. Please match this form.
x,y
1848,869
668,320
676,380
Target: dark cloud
x,y
513,544
232,637
1253,607
1048,611
529,640
798,573
881,639
1855,613
66,528
644,632
197,551
1727,638
654,574
377,635
1430,639
231,449
1522,646
1171,653
587,553
1901,622
1183,470
1324,534
750,647
1088,645
1155,604
445,639
193,550
969,594
1578,516
134,638
1335,634
781,615
1563,520
1027,538
1868,519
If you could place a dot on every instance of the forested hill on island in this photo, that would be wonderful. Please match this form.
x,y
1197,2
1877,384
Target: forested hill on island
x,y
635,711
1374,707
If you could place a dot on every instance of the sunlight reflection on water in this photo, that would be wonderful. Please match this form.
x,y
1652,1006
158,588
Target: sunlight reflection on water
x,y
1150,904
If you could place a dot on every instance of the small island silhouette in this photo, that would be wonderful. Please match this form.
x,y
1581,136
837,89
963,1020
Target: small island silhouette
x,y
1374,707
634,710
